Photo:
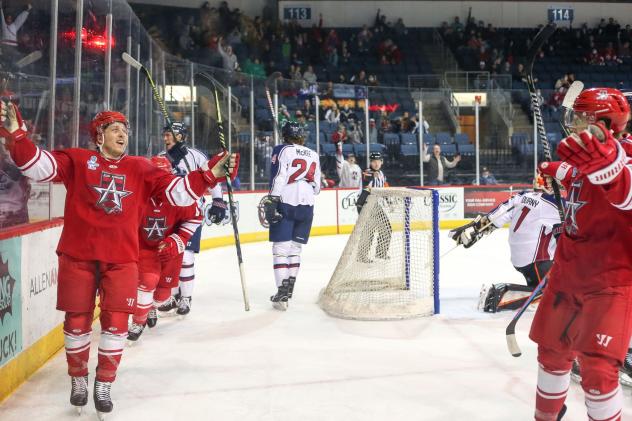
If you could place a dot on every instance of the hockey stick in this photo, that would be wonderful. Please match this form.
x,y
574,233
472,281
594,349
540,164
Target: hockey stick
x,y
569,99
138,66
275,124
539,40
205,80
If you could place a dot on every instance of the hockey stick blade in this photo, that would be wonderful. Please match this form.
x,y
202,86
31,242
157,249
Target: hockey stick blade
x,y
539,40
28,59
573,92
510,331
132,61
512,345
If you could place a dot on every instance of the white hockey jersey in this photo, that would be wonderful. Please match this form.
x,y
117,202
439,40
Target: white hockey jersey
x,y
193,160
295,174
532,217
350,175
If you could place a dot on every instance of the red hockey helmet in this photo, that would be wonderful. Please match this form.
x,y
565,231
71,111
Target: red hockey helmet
x,y
161,162
103,119
596,104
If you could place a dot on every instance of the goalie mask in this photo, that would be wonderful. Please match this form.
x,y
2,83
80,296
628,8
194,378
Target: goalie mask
x,y
599,104
543,184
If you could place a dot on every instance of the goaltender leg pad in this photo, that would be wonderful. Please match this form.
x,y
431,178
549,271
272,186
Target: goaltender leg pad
x,y
605,323
501,297
535,272
554,325
118,286
77,285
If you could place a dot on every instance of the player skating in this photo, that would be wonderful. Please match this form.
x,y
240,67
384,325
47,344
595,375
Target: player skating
x,y
98,248
586,309
534,226
185,159
289,208
164,232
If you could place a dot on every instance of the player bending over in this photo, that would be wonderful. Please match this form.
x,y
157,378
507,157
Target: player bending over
x,y
107,191
185,159
534,225
289,208
163,235
586,309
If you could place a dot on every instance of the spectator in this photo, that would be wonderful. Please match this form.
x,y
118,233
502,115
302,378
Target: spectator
x,y
457,26
340,136
359,79
10,30
350,173
255,68
333,114
309,76
372,131
372,81
229,59
355,134
347,114
295,72
487,178
307,110
326,183
437,164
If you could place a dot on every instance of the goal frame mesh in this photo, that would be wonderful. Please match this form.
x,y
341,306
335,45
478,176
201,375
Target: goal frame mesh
x,y
391,297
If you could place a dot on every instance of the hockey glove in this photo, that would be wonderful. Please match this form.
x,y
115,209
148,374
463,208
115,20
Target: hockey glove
x,y
270,208
217,211
469,234
12,128
170,248
177,152
594,152
214,169
559,170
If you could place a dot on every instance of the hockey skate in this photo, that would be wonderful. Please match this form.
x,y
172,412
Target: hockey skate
x,y
152,318
184,306
575,373
290,289
166,308
102,400
625,372
135,330
79,392
279,301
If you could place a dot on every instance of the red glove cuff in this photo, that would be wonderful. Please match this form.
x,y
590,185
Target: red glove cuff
x,y
608,174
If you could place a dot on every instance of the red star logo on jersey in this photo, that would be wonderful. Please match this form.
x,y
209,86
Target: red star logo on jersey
x,y
111,192
155,228
573,205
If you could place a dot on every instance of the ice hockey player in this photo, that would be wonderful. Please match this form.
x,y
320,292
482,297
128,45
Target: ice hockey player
x,y
534,225
162,227
98,248
586,309
373,177
289,207
185,159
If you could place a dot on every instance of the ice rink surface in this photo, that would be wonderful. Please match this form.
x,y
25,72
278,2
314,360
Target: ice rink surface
x,y
222,363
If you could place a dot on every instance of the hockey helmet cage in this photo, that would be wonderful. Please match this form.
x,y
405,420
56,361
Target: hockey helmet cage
x,y
104,119
375,156
292,131
541,183
596,104
161,162
178,128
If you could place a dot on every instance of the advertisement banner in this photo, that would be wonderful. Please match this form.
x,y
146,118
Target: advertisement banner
x,y
483,200
39,286
450,203
10,299
347,212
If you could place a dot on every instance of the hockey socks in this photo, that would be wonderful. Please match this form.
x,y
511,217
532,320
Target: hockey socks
x,y
551,393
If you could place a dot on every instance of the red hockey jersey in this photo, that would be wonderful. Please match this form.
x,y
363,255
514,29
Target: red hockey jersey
x,y
160,220
593,251
105,199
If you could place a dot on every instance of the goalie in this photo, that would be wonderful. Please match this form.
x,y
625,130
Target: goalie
x,y
534,227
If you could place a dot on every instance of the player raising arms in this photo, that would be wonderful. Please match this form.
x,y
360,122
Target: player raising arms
x,y
185,159
534,225
107,191
586,309
289,208
163,235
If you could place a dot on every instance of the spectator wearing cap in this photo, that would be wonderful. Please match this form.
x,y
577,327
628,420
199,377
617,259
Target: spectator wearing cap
x,y
487,178
438,164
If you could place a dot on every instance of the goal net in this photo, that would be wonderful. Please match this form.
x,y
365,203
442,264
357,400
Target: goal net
x,y
389,268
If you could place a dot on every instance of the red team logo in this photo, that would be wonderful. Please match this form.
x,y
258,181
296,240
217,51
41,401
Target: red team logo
x,y
111,192
155,228
573,205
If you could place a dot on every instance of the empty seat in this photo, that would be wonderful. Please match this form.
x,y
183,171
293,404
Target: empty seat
x,y
409,138
462,139
443,138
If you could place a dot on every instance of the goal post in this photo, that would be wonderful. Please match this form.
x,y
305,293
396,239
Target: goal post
x,y
389,268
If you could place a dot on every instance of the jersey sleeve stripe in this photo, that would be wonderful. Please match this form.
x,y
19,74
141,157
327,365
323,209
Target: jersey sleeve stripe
x,y
33,160
627,202
188,189
179,193
43,166
53,162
